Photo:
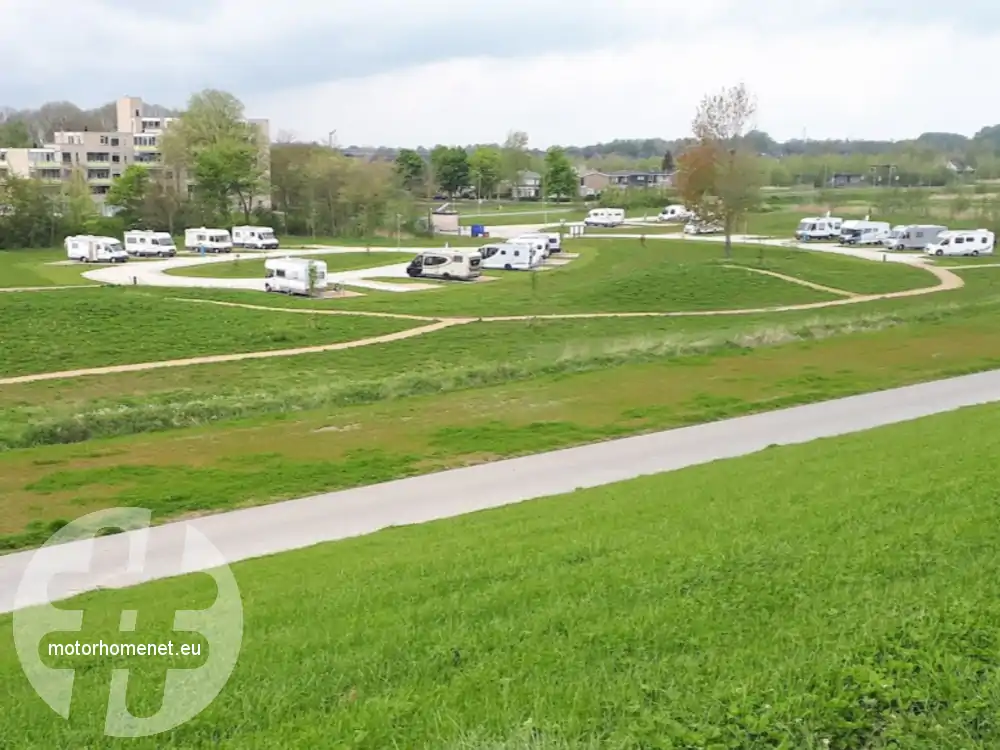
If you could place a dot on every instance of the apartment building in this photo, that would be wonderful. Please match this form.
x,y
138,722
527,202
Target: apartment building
x,y
102,157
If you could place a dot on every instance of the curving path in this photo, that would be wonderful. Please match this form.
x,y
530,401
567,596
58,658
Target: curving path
x,y
947,280
295,524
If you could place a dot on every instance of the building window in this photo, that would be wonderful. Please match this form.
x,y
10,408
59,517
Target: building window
x,y
104,140
114,141
116,158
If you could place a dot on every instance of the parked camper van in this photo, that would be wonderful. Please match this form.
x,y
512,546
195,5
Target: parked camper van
x,y
509,256
818,228
294,275
142,243
674,213
255,238
864,232
696,226
553,244
605,217
87,248
913,236
463,265
538,246
213,240
963,242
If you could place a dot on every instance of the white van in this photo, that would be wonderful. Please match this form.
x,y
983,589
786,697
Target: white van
x,y
696,226
913,236
674,213
142,243
88,248
446,263
864,232
818,228
509,256
294,275
551,239
539,246
963,242
605,217
255,238
213,240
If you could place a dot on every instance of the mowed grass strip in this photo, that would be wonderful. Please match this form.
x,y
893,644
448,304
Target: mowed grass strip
x,y
839,594
33,268
250,267
55,331
347,442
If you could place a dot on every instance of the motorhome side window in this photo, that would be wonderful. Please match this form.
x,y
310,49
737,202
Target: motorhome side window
x,y
456,258
959,240
281,273
269,274
201,238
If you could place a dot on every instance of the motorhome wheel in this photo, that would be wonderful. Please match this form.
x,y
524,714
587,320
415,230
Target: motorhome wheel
x,y
975,252
939,252
446,276
506,267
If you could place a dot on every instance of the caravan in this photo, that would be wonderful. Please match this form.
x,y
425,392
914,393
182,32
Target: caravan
x,y
864,232
255,238
605,217
294,275
142,243
963,242
818,228
509,256
913,236
87,248
211,240
553,243
674,213
463,265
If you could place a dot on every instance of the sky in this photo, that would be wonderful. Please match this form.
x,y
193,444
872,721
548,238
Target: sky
x,y
395,73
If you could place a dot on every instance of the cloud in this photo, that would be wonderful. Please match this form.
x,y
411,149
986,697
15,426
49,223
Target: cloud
x,y
395,72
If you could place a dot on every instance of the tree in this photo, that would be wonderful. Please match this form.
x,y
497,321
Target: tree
x,y
667,165
485,166
78,205
410,168
559,179
719,177
30,218
15,134
515,157
451,167
129,194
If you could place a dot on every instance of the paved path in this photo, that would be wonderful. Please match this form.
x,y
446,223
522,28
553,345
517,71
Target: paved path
x,y
265,530
46,288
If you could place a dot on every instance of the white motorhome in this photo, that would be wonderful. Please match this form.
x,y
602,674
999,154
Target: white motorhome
x,y
463,265
553,244
963,242
539,246
87,248
142,243
255,238
674,213
294,275
212,240
605,217
864,232
818,228
509,256
695,226
913,236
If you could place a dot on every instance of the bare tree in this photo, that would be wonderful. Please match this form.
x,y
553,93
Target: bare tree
x,y
719,177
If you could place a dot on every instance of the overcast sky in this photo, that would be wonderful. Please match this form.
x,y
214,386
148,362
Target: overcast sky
x,y
389,72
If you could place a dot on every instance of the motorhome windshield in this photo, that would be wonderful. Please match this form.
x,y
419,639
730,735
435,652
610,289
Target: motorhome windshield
x,y
115,247
267,235
851,232
805,226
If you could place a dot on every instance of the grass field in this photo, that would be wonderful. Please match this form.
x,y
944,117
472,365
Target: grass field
x,y
254,267
623,276
28,268
323,434
841,594
62,330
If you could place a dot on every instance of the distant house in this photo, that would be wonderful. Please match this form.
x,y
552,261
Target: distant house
x,y
529,186
637,179
592,182
846,179
959,167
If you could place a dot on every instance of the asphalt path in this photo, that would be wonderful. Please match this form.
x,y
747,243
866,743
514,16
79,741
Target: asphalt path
x,y
265,530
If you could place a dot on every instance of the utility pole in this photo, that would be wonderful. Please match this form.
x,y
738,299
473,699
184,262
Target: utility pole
x,y
331,138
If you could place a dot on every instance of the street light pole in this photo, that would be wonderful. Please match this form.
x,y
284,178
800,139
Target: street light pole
x,y
330,138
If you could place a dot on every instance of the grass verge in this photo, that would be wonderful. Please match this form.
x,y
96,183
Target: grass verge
x,y
841,594
254,267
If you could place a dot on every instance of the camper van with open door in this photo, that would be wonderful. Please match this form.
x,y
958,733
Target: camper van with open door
x,y
294,275
447,264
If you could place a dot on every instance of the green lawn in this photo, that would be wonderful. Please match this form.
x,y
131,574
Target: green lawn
x,y
27,268
49,331
842,594
609,276
337,421
254,267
